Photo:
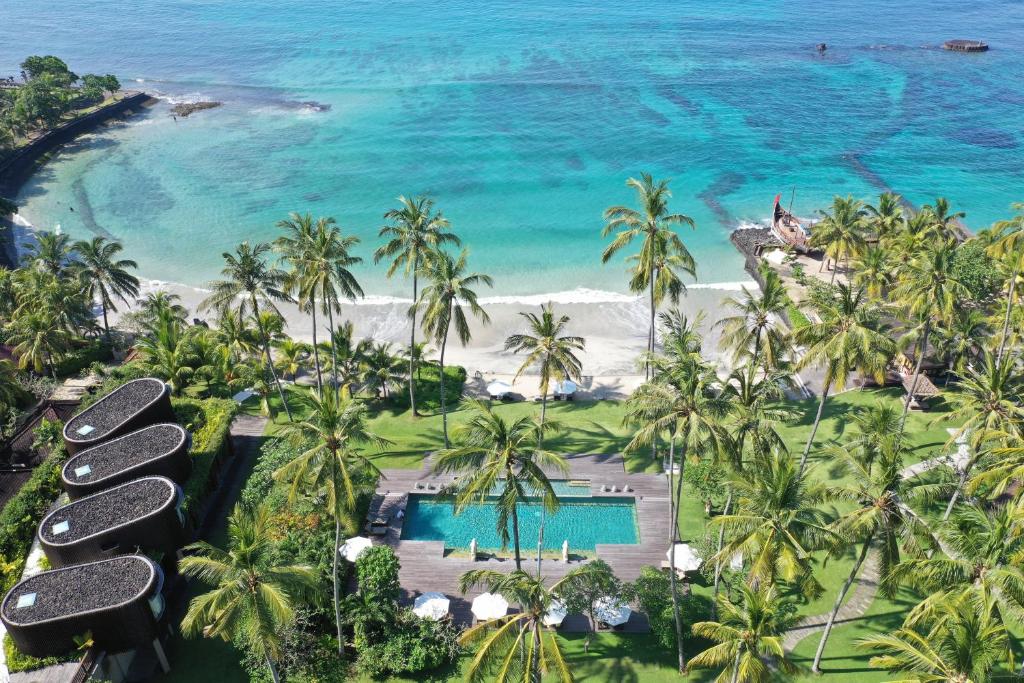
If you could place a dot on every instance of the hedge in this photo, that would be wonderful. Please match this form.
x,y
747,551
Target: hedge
x,y
79,359
209,421
22,514
17,661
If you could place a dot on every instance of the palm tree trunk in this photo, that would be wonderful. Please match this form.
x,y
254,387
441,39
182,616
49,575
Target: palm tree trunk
x,y
1009,308
917,374
534,660
334,351
736,666
515,534
334,576
444,406
273,669
839,602
718,549
412,340
672,555
106,327
650,337
814,429
270,360
956,492
316,355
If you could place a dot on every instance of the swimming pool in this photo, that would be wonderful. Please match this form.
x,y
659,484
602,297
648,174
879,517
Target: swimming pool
x,y
583,521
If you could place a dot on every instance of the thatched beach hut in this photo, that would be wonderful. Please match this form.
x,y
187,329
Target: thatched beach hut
x,y
118,601
143,514
131,406
160,449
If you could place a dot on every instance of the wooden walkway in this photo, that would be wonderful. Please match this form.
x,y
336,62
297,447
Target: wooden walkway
x,y
427,566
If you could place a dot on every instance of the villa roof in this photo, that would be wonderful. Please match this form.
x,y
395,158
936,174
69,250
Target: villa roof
x,y
133,405
108,509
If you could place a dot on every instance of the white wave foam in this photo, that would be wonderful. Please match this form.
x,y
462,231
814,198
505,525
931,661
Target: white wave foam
x,y
750,225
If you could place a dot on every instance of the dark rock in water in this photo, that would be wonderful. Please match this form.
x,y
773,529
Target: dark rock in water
x,y
315,106
184,109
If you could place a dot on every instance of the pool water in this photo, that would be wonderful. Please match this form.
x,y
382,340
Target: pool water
x,y
584,522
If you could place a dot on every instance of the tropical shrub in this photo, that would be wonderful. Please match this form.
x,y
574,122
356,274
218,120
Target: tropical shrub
x,y
17,661
654,594
411,645
428,388
377,573
209,421
977,271
83,356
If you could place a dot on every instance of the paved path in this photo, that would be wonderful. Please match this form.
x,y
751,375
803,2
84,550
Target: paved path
x,y
865,586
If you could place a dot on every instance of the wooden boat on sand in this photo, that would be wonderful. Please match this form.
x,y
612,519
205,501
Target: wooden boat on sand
x,y
788,229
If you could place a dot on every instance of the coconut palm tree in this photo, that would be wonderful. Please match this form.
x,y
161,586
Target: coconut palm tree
x,y
963,646
685,403
946,223
292,356
880,496
756,326
748,636
415,231
979,565
295,248
249,282
253,596
448,293
547,349
346,356
49,253
929,292
159,301
168,354
886,219
1008,247
104,275
37,340
777,524
381,368
841,232
847,340
874,271
513,647
661,245
332,464
501,459
960,339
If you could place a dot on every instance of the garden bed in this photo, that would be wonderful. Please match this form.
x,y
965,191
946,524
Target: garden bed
x,y
160,449
131,406
142,513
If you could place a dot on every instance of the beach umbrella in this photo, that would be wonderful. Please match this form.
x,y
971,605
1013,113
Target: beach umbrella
x,y
686,559
354,547
433,606
498,389
611,611
556,613
487,606
565,388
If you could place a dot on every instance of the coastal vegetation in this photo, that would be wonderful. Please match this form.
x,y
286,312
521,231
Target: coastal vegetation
x,y
796,501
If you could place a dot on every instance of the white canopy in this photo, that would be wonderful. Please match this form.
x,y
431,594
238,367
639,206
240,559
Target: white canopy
x,y
354,547
556,613
612,611
686,559
488,606
497,389
565,387
433,606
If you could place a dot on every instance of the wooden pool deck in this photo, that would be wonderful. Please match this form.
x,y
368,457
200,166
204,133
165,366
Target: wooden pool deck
x,y
426,566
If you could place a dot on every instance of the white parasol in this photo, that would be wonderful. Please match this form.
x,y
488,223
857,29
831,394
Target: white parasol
x,y
488,606
433,606
354,547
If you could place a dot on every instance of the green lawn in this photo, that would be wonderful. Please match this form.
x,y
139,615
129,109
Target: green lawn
x,y
596,427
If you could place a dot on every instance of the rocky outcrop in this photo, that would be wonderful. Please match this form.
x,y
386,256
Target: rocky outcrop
x,y
185,109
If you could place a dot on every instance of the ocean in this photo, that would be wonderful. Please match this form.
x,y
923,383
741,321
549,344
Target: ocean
x,y
523,120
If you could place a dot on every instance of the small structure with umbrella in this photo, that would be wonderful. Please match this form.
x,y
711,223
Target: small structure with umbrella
x,y
487,606
354,547
611,611
564,390
432,605
686,559
498,390
556,614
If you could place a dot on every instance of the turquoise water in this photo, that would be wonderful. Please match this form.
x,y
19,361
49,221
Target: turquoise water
x,y
523,119
583,523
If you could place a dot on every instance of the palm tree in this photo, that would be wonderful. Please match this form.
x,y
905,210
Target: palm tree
x,y
444,299
104,275
37,340
248,282
159,301
416,231
502,459
683,402
756,326
748,636
295,247
874,271
777,523
1009,247
513,647
332,463
846,340
841,232
381,368
291,356
960,338
945,222
964,647
49,253
880,496
347,356
653,223
887,218
548,349
929,292
167,353
253,595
